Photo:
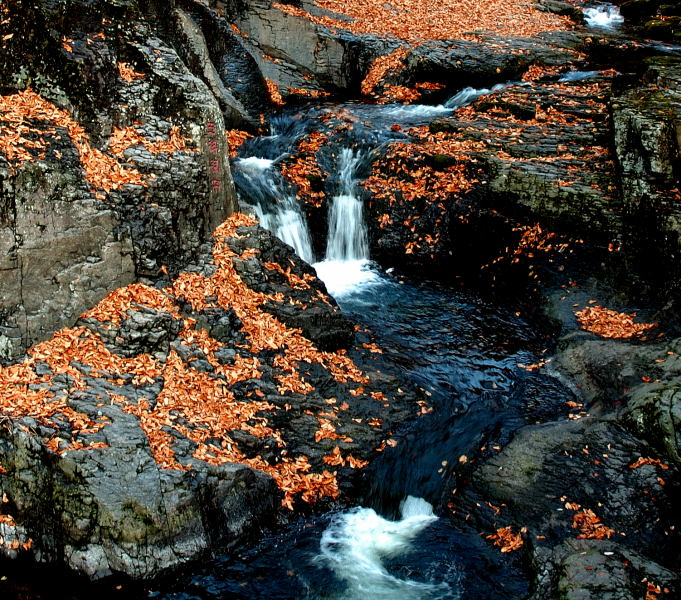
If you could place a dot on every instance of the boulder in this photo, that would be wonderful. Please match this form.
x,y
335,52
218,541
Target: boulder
x,y
653,412
646,120
175,420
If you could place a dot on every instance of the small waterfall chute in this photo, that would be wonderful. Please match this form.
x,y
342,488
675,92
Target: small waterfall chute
x,y
277,210
346,265
348,238
604,17
578,76
470,94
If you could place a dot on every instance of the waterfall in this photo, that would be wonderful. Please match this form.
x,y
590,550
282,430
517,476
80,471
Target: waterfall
x,y
276,210
345,268
605,17
288,224
470,94
347,230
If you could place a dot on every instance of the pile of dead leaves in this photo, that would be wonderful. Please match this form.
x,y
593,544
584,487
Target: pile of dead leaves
x,y
127,137
640,461
419,20
274,93
393,62
304,170
506,539
405,177
128,74
590,526
391,65
193,404
337,459
23,109
235,139
611,324
307,93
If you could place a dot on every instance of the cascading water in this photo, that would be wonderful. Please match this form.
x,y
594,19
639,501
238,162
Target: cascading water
x,y
347,231
357,542
346,264
440,343
276,210
604,17
470,94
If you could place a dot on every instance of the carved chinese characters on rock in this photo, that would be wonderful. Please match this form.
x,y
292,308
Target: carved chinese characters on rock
x,y
214,161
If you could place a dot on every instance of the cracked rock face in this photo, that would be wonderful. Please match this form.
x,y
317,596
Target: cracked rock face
x,y
96,199
646,122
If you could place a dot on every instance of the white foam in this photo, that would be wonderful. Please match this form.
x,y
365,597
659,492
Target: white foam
x,y
288,224
356,543
470,94
345,277
255,163
410,111
578,75
605,17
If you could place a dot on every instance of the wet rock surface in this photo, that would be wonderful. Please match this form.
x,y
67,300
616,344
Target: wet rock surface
x,y
318,317
591,496
647,147
169,420
536,151
100,201
155,433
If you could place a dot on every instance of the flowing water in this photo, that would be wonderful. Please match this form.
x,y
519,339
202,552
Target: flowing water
x,y
466,355
279,212
603,16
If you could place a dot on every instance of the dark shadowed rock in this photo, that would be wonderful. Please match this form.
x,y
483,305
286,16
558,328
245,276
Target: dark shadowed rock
x,y
581,569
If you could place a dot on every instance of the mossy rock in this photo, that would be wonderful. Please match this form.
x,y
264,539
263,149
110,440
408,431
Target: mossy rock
x,y
638,9
657,28
446,125
440,162
654,413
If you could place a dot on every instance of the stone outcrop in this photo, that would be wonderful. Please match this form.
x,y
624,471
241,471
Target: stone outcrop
x,y
527,154
646,123
174,420
297,54
656,19
488,60
69,231
617,455
551,477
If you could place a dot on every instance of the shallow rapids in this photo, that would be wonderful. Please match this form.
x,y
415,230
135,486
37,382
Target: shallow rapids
x,y
358,543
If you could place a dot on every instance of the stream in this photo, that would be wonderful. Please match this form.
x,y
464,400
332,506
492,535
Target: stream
x,y
468,356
